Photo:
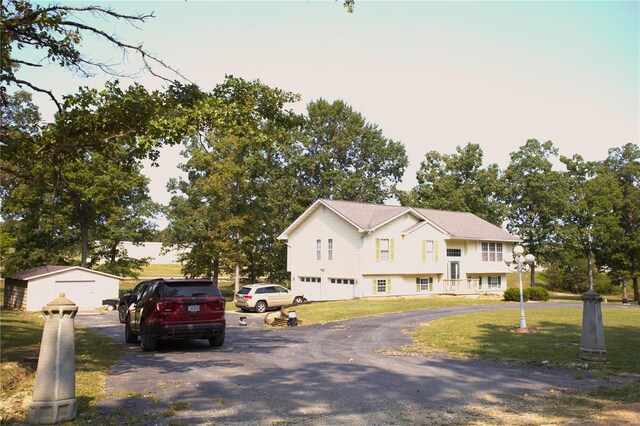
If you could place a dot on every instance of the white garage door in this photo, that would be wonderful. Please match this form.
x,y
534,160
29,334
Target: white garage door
x,y
82,293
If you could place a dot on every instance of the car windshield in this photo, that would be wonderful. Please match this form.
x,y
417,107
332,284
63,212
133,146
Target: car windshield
x,y
244,290
190,290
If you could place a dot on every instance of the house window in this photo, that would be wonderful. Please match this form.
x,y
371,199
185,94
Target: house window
x,y
454,252
310,279
493,282
427,251
318,249
384,249
381,286
424,284
492,252
330,247
343,281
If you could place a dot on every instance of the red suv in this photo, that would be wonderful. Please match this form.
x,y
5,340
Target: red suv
x,y
176,309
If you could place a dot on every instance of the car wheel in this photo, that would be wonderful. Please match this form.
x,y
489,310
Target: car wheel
x,y
261,306
298,299
218,340
147,342
129,336
122,313
110,308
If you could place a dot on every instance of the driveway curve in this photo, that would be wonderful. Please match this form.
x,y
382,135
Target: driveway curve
x,y
336,373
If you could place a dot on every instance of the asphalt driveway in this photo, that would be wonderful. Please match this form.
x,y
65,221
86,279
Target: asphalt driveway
x,y
339,373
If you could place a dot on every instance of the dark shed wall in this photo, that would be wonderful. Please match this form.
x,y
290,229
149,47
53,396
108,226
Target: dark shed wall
x,y
15,294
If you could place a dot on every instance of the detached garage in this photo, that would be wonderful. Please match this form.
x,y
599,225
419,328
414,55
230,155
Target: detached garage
x,y
32,289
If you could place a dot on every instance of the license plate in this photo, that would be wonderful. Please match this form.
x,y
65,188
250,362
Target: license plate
x,y
193,308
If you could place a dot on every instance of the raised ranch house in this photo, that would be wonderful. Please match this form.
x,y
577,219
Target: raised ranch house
x,y
345,250
32,289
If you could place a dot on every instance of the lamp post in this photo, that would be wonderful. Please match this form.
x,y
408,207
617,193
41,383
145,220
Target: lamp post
x,y
519,264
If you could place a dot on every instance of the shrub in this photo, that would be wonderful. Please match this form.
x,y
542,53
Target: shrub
x,y
536,293
513,295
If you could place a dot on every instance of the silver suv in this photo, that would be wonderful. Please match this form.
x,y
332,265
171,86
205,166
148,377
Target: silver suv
x,y
260,297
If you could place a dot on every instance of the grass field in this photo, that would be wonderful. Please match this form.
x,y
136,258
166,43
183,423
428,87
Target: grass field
x,y
323,312
162,271
488,335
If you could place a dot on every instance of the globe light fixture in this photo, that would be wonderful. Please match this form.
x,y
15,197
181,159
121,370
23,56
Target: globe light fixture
x,y
519,264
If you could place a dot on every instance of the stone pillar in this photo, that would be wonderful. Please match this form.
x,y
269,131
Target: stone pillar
x,y
54,394
592,347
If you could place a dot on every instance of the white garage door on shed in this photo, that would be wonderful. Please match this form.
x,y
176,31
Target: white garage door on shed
x,y
82,293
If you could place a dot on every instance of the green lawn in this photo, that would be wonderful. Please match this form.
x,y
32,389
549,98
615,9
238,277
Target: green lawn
x,y
162,271
487,335
323,312
20,342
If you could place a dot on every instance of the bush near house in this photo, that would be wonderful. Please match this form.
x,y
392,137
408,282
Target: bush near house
x,y
530,293
512,294
537,293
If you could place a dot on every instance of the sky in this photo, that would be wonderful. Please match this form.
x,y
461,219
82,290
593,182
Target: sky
x,y
432,75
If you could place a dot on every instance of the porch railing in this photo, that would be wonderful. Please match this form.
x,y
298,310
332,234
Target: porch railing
x,y
470,285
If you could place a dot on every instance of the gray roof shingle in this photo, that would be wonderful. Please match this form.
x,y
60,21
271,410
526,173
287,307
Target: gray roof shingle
x,y
35,272
461,225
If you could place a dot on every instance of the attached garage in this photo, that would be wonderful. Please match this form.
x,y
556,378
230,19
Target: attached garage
x,y
32,289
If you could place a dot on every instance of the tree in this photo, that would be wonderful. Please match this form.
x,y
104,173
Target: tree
x,y
622,256
76,181
458,182
536,198
55,32
591,221
236,156
342,156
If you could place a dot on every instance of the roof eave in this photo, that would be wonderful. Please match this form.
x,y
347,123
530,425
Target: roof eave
x,y
285,234
69,269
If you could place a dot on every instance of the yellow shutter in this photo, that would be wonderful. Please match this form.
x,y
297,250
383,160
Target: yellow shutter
x,y
424,251
377,249
391,251
374,289
435,250
388,285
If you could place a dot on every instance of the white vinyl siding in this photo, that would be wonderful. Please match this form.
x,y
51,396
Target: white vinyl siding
x,y
345,262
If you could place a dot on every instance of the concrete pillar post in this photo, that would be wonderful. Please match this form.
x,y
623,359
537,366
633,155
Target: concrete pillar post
x,y
592,347
54,394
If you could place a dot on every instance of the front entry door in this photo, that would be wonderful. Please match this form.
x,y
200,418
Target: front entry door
x,y
454,271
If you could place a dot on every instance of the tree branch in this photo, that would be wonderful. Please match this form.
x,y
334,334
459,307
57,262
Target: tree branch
x,y
30,64
20,82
